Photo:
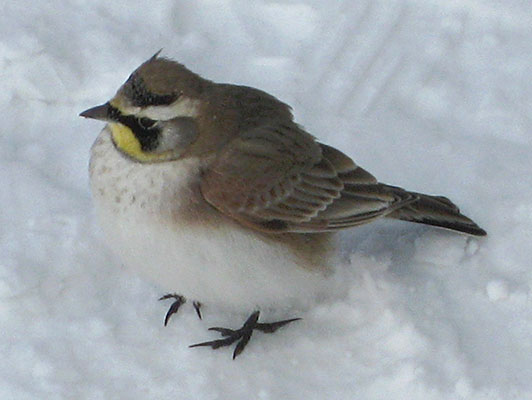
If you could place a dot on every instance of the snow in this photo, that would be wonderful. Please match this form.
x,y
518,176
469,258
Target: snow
x,y
433,96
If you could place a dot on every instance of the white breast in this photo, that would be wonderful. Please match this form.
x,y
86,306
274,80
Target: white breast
x,y
155,219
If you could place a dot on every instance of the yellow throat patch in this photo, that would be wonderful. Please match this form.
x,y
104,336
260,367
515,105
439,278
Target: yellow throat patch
x,y
126,141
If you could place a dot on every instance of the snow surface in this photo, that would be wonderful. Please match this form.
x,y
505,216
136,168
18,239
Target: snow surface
x,y
434,96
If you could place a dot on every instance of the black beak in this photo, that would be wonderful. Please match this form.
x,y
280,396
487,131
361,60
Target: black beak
x,y
99,112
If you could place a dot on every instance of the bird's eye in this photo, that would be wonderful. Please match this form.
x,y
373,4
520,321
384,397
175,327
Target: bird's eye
x,y
146,123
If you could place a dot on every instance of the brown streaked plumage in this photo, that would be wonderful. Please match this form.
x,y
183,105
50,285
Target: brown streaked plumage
x,y
214,191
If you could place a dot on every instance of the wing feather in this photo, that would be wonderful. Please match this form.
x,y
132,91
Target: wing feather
x,y
277,178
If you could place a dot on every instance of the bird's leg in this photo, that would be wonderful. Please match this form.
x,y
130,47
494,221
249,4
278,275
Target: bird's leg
x,y
178,302
243,335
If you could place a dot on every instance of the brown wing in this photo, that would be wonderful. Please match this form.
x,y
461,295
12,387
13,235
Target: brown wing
x,y
279,179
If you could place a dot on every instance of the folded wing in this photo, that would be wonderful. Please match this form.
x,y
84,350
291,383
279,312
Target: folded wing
x,y
277,178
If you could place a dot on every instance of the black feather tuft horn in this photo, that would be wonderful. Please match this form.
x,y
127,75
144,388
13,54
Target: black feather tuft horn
x,y
155,55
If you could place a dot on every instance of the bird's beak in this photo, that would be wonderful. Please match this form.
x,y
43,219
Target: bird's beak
x,y
100,112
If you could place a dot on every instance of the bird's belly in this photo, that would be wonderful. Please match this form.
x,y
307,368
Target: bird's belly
x,y
216,267
156,221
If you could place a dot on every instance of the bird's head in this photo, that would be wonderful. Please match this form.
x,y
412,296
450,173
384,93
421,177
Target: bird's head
x,y
152,115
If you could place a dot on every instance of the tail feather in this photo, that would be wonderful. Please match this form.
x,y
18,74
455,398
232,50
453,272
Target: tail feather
x,y
436,211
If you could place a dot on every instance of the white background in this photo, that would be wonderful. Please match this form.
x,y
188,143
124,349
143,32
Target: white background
x,y
430,95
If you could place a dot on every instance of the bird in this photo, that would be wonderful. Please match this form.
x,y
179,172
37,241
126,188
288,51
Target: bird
x,y
213,191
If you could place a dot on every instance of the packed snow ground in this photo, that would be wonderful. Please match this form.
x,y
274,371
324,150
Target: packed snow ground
x,y
433,96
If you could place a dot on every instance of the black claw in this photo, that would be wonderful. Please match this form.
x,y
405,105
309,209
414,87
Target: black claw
x,y
223,331
242,335
251,322
215,344
197,305
179,301
272,327
240,346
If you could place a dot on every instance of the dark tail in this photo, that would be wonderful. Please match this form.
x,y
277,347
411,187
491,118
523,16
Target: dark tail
x,y
436,211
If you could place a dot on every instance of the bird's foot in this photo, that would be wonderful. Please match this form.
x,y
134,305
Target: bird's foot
x,y
243,335
178,302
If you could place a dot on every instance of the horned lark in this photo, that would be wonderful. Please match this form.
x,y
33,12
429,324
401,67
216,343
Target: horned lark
x,y
213,191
